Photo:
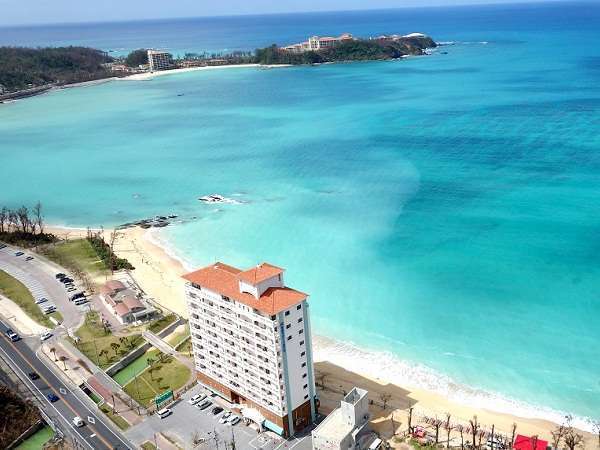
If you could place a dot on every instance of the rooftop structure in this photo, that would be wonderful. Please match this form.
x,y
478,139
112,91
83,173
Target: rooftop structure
x,y
158,60
344,427
529,443
252,343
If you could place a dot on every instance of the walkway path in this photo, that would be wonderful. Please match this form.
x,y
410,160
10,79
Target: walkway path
x,y
167,349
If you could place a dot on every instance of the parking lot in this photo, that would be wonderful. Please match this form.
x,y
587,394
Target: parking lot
x,y
188,423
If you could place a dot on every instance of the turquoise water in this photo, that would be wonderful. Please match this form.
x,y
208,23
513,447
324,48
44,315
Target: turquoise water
x,y
443,212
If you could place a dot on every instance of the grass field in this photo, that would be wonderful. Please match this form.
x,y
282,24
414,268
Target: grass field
x,y
78,254
97,343
118,420
148,446
37,440
16,291
176,339
162,323
168,374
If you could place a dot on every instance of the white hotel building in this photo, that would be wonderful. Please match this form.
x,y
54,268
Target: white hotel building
x,y
252,343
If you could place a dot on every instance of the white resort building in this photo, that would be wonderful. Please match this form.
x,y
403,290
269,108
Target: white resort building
x,y
158,60
318,43
252,343
347,427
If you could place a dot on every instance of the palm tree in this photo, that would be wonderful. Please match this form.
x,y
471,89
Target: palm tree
x,y
53,351
104,353
64,360
150,361
115,347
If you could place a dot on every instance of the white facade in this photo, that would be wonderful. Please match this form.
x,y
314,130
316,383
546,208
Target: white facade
x,y
261,357
159,60
343,428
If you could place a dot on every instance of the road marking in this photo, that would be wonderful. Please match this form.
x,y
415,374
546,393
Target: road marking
x,y
104,441
62,391
93,435
91,420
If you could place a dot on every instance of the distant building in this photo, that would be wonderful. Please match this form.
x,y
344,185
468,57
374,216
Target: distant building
x,y
346,425
252,343
124,303
158,60
318,43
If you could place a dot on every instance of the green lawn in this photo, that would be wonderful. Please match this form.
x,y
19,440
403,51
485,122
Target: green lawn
x,y
96,342
37,440
176,339
118,420
16,291
148,446
186,348
168,374
76,254
162,323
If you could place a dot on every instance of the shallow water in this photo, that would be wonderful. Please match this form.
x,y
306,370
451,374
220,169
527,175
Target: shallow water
x,y
442,212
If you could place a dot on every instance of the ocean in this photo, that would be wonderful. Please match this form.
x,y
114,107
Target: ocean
x,y
443,212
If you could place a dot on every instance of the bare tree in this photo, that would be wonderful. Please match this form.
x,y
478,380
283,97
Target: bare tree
x,y
596,426
437,424
38,219
410,412
572,438
385,397
461,430
448,427
23,218
475,426
513,434
3,218
534,441
64,360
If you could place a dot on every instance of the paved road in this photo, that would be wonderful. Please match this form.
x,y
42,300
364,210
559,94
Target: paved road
x,y
38,276
96,434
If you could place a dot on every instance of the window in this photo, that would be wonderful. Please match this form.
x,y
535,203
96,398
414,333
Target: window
x,y
289,338
301,331
305,386
273,317
301,342
287,313
303,353
303,364
299,306
300,320
304,376
287,327
306,397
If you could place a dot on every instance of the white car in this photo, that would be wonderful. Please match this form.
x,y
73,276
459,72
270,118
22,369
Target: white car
x,y
41,300
234,420
45,336
78,421
196,399
225,417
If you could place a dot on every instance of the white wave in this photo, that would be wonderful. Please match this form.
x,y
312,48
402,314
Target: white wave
x,y
153,235
411,375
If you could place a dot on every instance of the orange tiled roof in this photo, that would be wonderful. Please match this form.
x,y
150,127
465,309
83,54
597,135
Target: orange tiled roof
x,y
224,280
260,273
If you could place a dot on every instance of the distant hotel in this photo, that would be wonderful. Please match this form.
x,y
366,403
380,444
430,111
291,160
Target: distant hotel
x,y
159,60
252,343
318,43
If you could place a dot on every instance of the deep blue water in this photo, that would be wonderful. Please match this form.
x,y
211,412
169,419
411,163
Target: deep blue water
x,y
443,212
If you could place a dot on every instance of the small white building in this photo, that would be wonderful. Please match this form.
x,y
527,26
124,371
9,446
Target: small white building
x,y
124,303
158,60
344,427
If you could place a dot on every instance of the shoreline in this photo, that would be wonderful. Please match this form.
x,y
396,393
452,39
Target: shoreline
x,y
159,269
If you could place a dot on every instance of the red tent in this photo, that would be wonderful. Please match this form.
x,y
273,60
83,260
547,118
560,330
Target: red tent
x,y
526,443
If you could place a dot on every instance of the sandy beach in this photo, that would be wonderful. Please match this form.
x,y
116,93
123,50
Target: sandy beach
x,y
159,274
150,75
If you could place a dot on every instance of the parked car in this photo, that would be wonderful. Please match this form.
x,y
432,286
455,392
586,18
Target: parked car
x,y
52,397
60,276
225,417
78,421
49,309
14,337
71,289
41,300
45,336
234,420
33,375
3,246
165,412
19,253
217,410
77,295
205,404
66,280
80,301
29,258
196,399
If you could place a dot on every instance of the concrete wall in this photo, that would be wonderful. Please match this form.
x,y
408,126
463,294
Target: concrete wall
x,y
127,359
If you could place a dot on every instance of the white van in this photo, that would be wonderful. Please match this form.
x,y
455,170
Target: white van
x,y
376,444
165,412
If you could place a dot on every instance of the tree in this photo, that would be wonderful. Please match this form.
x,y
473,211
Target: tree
x,y
572,438
385,397
448,427
513,434
410,411
3,218
137,58
150,362
64,360
437,424
115,347
475,426
461,430
104,353
38,219
596,426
